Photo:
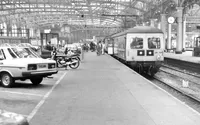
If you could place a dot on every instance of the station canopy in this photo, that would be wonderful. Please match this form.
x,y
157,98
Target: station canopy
x,y
81,14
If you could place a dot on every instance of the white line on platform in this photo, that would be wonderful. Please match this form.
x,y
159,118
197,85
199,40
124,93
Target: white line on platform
x,y
30,116
183,103
23,115
21,93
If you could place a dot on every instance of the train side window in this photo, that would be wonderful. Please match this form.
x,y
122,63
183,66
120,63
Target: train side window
x,y
154,43
136,43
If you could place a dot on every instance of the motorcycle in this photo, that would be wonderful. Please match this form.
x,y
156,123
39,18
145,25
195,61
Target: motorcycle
x,y
73,61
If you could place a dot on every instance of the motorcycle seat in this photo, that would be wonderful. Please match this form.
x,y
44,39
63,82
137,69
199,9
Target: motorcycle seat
x,y
73,55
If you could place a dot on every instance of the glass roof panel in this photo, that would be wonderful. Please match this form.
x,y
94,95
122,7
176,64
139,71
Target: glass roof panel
x,y
74,12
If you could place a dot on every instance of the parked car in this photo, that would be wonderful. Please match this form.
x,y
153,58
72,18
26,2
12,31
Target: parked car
x,y
35,48
21,63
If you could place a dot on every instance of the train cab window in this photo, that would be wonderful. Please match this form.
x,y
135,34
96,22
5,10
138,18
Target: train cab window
x,y
154,43
136,43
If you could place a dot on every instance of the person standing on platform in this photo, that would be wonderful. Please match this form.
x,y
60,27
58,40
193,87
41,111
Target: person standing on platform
x,y
103,48
66,50
99,48
54,53
92,46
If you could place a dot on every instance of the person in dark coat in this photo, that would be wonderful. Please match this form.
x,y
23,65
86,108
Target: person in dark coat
x,y
66,50
54,53
99,47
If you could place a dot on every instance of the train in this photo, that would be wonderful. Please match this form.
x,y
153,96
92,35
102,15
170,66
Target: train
x,y
140,47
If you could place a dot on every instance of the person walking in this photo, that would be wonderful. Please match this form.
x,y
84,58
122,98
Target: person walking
x,y
54,54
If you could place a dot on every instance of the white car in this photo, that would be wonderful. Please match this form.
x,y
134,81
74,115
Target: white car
x,y
36,48
21,63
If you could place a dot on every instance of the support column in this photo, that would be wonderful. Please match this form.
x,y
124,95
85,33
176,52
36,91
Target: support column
x,y
159,25
152,22
41,37
9,29
169,36
179,45
163,27
184,32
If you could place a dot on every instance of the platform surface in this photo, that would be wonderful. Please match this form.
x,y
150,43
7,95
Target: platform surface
x,y
105,92
185,56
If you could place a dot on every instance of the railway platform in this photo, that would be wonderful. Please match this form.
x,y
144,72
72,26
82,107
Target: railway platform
x,y
185,61
185,56
103,91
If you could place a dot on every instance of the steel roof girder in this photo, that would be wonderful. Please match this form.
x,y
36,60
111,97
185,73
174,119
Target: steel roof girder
x,y
118,3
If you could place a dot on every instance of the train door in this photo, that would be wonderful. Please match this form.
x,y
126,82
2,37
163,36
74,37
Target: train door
x,y
196,51
135,47
110,46
115,46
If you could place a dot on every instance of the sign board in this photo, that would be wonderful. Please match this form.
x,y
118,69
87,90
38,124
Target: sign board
x,y
10,41
193,19
54,41
13,40
35,42
47,30
89,40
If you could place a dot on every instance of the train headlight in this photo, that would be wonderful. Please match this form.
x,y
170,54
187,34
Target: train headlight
x,y
159,57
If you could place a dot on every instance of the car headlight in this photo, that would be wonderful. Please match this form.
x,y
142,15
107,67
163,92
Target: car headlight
x,y
51,65
32,67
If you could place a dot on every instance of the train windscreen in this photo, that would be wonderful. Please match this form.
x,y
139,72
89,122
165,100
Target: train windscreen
x,y
154,43
136,43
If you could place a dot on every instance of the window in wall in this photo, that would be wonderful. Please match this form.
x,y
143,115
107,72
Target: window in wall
x,y
136,43
14,30
154,43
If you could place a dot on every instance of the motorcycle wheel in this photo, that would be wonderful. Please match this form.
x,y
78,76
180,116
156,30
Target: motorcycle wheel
x,y
74,65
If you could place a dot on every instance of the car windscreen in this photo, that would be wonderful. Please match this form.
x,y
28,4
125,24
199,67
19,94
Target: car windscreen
x,y
33,52
23,53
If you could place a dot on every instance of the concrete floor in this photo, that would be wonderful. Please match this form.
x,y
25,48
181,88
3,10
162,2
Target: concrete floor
x,y
105,92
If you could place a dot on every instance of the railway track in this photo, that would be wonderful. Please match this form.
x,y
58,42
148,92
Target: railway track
x,y
184,75
178,70
186,98
192,78
188,66
181,70
178,89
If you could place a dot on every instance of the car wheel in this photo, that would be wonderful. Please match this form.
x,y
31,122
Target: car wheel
x,y
7,80
36,80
